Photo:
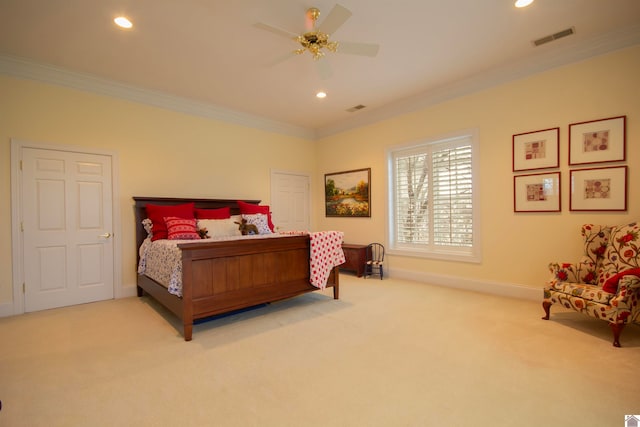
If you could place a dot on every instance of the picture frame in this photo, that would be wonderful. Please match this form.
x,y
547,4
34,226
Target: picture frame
x,y
539,192
599,189
536,150
598,141
348,193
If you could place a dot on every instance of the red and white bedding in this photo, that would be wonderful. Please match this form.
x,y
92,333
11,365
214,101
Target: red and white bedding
x,y
161,260
326,253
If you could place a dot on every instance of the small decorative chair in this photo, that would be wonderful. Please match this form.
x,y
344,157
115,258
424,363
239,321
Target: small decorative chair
x,y
375,260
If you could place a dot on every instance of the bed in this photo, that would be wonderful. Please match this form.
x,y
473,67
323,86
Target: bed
x,y
224,276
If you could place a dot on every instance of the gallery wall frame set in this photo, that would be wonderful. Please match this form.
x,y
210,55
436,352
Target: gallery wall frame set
x,y
538,192
599,189
536,150
597,141
591,189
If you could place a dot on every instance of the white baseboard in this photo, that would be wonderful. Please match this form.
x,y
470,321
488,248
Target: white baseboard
x,y
511,290
6,309
126,292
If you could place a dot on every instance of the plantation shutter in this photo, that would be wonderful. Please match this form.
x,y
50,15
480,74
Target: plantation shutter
x,y
433,196
452,197
412,189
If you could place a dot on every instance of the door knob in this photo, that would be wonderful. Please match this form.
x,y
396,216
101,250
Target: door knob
x,y
105,235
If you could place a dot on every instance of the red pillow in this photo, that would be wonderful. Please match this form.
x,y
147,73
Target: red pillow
x,y
181,228
220,213
250,209
611,285
156,214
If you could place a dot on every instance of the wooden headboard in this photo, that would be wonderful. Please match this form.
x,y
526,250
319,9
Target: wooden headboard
x,y
141,213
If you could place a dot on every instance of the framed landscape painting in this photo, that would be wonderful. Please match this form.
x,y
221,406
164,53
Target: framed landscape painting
x,y
348,194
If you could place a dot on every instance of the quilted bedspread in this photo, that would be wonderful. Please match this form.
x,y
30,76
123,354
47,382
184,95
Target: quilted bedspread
x,y
161,260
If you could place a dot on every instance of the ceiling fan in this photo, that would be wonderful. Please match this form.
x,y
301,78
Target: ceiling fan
x,y
316,40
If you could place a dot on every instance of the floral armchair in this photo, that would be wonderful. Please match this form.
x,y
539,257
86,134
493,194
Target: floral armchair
x,y
605,283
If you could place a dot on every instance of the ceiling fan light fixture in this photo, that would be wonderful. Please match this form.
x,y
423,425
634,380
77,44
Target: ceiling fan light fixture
x,y
316,39
321,95
523,3
313,13
123,22
315,42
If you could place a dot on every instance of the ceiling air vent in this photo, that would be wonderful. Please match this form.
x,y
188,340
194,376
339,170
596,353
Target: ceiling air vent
x,y
356,108
556,36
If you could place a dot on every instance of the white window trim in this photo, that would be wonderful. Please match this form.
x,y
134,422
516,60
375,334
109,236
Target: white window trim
x,y
474,255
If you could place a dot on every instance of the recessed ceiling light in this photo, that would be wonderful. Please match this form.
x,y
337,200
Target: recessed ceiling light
x,y
523,3
123,22
321,95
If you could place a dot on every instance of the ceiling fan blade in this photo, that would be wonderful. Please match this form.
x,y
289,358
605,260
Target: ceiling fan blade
x,y
335,19
364,49
280,59
275,30
323,68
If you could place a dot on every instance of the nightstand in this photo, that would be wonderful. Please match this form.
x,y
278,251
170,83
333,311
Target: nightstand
x,y
356,256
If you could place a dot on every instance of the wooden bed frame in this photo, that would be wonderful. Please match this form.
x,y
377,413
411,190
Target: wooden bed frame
x,y
220,277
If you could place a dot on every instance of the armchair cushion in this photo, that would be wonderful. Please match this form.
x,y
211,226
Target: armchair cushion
x,y
583,290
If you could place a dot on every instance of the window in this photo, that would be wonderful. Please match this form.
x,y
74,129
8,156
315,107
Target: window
x,y
432,203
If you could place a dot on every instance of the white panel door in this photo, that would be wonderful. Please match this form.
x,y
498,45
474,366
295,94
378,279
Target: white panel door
x,y
290,200
67,223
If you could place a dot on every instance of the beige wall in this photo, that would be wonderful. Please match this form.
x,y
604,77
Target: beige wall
x,y
211,159
161,153
516,247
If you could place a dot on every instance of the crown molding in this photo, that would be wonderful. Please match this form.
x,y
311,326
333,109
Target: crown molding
x,y
25,69
546,60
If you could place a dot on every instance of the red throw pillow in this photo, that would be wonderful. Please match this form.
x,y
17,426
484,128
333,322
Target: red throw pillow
x,y
157,213
250,209
181,228
611,285
221,213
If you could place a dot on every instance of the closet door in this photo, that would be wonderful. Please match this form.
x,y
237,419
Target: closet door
x,y
67,227
290,201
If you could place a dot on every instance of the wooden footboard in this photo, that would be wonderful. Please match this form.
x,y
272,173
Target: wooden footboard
x,y
219,277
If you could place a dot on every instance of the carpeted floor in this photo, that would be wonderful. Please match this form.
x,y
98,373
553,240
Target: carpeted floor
x,y
388,353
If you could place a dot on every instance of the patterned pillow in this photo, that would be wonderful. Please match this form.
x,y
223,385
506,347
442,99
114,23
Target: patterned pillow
x,y
156,214
251,209
622,251
260,221
181,228
219,227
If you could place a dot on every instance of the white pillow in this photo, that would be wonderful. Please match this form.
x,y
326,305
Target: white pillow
x,y
260,221
219,227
